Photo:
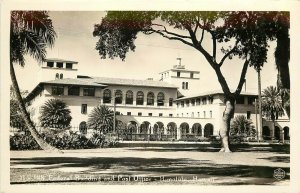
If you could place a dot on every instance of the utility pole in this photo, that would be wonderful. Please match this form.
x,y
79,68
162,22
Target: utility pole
x,y
256,123
114,124
259,102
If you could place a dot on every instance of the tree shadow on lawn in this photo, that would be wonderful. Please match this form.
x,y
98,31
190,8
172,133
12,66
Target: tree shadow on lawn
x,y
157,166
282,159
279,149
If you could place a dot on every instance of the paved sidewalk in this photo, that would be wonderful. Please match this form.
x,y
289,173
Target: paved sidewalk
x,y
149,166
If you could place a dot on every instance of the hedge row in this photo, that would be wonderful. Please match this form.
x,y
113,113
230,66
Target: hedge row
x,y
24,141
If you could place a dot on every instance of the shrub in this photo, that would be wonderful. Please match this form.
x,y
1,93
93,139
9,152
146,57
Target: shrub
x,y
98,139
240,129
23,141
55,114
67,140
101,119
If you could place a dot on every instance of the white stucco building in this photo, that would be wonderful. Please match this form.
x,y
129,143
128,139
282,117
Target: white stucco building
x,y
167,109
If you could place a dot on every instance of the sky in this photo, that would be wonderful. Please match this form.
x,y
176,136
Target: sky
x,y
153,54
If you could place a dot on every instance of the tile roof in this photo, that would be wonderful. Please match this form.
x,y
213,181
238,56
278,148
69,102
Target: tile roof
x,y
104,81
73,81
59,60
99,82
214,92
130,82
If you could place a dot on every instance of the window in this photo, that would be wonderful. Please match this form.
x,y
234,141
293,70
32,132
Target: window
x,y
83,108
204,101
185,85
73,90
192,115
56,76
198,114
69,65
139,114
50,64
251,100
211,100
57,90
187,114
170,115
240,100
150,98
204,114
193,102
61,76
160,114
128,113
182,103
59,64
170,102
160,99
129,97
192,75
83,128
140,98
248,114
198,101
88,91
150,114
106,96
119,97
210,114
187,102
178,74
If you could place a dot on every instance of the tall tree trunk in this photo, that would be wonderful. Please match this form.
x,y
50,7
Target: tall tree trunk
x,y
282,57
225,124
273,134
45,146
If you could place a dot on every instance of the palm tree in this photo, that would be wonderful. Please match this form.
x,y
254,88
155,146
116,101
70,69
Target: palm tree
x,y
15,119
242,127
101,119
55,114
30,33
272,104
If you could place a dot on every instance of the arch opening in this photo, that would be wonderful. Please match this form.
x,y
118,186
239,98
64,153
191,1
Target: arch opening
x,y
197,130
266,134
286,133
171,132
208,130
83,128
277,133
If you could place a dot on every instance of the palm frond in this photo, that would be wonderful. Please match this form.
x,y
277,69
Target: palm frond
x,y
241,126
101,118
56,114
31,32
272,105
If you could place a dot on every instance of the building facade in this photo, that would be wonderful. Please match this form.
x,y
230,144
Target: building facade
x,y
146,109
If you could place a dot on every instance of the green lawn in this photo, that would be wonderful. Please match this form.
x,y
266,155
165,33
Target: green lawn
x,y
151,165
